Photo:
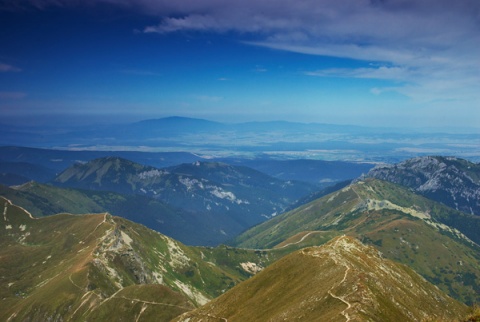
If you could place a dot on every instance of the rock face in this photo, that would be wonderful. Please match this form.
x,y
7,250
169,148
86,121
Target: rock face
x,y
451,181
342,280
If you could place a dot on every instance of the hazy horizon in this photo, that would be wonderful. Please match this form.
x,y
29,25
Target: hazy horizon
x,y
82,120
411,64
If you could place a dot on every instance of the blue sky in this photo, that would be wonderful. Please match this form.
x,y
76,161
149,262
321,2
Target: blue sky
x,y
378,63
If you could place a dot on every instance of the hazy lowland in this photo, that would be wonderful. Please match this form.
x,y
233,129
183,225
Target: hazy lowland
x,y
192,220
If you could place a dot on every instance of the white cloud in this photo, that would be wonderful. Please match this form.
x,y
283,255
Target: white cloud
x,y
8,68
382,72
431,46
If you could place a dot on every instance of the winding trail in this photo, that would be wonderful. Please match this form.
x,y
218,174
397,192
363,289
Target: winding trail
x,y
151,302
302,239
332,255
75,284
342,298
102,222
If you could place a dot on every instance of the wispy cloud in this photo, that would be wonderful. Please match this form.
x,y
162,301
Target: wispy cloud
x,y
259,69
432,46
12,95
382,72
4,68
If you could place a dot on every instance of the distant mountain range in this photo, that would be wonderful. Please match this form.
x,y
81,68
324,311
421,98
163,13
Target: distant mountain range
x,y
202,203
342,280
451,181
198,202
281,139
57,160
49,162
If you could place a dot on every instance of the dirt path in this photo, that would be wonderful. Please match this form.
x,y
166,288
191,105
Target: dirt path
x,y
333,256
342,298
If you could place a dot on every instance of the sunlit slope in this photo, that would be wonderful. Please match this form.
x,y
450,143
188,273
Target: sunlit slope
x,y
92,266
342,280
405,227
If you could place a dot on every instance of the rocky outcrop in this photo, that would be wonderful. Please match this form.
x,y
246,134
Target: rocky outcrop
x,y
451,181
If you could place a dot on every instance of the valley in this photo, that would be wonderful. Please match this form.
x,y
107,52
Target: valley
x,y
99,266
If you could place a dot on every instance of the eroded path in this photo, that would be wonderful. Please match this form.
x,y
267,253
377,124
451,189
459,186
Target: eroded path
x,y
339,261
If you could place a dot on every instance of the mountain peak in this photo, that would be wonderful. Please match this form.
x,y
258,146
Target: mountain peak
x,y
452,181
341,280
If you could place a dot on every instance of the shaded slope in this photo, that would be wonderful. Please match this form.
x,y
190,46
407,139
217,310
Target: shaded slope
x,y
313,171
403,226
46,200
342,280
59,160
225,198
27,170
68,267
452,181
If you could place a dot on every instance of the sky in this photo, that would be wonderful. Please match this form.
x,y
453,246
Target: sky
x,y
395,63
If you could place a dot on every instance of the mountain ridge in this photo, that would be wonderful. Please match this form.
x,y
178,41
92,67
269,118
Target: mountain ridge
x,y
341,280
452,181
230,198
93,266
405,227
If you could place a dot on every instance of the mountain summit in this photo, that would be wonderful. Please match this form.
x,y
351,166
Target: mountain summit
x,y
341,280
452,181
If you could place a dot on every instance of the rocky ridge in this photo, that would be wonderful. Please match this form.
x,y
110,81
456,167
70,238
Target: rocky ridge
x,y
452,181
90,267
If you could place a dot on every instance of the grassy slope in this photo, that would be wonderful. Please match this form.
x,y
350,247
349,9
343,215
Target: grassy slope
x,y
76,267
340,280
433,250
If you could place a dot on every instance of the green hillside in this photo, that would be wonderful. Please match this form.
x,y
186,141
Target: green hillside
x,y
342,280
67,267
403,226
